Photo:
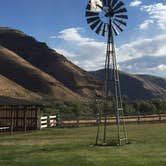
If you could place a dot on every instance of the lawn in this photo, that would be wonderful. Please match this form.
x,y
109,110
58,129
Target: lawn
x,y
72,147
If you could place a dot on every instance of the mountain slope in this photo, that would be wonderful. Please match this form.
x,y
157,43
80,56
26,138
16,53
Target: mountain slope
x,y
10,89
49,61
31,79
39,72
138,86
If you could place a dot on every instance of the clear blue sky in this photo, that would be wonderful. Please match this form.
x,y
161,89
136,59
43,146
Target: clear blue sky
x,y
50,21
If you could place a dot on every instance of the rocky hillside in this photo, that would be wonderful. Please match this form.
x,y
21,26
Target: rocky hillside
x,y
138,86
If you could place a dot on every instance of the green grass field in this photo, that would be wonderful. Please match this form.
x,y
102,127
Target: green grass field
x,y
71,147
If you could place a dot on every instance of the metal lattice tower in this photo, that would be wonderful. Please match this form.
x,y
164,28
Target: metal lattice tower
x,y
107,18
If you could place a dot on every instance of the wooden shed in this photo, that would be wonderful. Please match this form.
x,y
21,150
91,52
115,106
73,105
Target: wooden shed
x,y
20,117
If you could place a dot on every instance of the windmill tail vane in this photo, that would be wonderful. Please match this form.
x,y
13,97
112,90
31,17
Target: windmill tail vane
x,y
108,18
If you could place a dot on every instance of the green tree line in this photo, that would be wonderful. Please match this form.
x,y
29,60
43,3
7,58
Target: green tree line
x,y
94,106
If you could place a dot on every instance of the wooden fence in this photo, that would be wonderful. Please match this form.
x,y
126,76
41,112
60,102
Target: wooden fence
x,y
112,120
19,117
52,121
4,129
55,121
48,121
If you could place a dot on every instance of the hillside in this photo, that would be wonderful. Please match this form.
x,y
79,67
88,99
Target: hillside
x,y
10,89
138,86
30,70
40,70
22,73
48,60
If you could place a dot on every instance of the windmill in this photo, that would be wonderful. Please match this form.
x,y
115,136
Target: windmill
x,y
108,18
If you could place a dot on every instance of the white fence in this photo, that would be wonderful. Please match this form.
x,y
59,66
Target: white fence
x,y
52,121
48,121
4,129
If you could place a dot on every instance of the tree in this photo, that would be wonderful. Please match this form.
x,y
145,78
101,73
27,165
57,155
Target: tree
x,y
146,107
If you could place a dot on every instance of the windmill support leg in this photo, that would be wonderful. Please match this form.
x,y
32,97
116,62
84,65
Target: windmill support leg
x,y
98,125
118,98
114,77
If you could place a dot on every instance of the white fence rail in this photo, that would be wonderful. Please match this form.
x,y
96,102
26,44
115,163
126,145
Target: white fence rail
x,y
48,121
43,122
52,121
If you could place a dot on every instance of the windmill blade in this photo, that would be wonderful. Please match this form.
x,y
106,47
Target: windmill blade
x,y
94,25
122,16
122,10
88,7
121,22
119,5
104,29
113,2
92,19
105,2
99,28
118,26
115,31
91,14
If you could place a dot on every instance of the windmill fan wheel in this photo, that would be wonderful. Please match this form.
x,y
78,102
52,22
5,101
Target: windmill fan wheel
x,y
113,10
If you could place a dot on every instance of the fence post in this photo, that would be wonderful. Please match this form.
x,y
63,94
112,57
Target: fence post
x,y
59,120
52,120
78,122
139,117
25,121
11,123
159,117
48,121
38,117
138,120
